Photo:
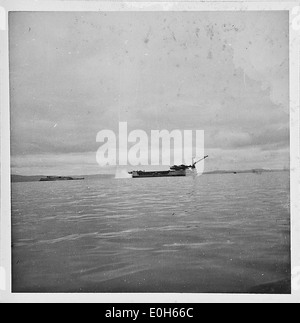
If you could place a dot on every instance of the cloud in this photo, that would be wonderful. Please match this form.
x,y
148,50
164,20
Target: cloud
x,y
268,138
262,53
74,74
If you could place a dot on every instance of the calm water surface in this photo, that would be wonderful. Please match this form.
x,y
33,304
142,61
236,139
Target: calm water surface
x,y
214,233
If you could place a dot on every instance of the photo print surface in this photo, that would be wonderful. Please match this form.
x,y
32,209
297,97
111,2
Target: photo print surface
x,y
150,152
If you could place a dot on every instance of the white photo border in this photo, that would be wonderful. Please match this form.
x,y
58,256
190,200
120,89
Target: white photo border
x,y
7,6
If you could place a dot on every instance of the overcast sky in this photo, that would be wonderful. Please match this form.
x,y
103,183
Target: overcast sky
x,y
74,74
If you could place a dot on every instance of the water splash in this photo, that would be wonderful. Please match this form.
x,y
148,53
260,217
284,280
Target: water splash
x,y
122,173
200,168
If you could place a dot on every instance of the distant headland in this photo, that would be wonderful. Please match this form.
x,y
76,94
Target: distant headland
x,y
36,178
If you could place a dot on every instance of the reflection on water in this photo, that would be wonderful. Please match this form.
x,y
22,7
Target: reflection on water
x,y
214,233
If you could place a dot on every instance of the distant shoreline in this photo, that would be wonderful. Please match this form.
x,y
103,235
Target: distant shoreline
x,y
254,171
36,178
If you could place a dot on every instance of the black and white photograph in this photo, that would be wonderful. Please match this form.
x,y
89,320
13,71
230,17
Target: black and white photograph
x,y
150,151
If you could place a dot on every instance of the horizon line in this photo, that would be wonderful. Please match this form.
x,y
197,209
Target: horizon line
x,y
208,172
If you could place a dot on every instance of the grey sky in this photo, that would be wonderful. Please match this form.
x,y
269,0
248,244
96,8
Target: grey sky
x,y
74,74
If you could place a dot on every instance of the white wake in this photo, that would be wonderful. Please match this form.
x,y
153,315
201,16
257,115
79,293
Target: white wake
x,y
200,167
122,173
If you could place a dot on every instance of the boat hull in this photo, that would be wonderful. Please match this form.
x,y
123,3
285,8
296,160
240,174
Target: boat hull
x,y
140,174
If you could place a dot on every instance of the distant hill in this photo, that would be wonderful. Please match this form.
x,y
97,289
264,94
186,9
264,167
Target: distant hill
x,y
249,171
20,178
36,178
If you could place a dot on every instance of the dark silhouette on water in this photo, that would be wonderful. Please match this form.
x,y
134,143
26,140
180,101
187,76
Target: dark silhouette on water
x,y
59,178
176,170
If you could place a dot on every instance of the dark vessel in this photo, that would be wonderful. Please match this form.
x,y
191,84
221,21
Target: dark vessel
x,y
176,170
59,178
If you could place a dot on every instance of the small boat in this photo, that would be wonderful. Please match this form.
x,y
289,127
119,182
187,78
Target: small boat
x,y
59,178
174,171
